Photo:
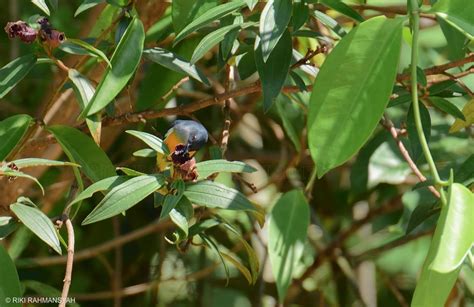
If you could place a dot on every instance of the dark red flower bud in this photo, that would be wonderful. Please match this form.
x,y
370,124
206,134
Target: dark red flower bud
x,y
22,30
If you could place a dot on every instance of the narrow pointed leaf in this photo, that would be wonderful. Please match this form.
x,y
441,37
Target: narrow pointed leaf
x,y
446,106
176,63
145,153
151,140
12,130
124,62
38,223
468,112
100,186
30,162
12,173
82,150
42,5
330,23
274,20
458,13
208,17
287,235
14,72
207,168
352,90
344,9
415,147
87,4
90,48
274,71
125,196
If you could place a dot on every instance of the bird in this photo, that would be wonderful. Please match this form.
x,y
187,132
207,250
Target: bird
x,y
183,139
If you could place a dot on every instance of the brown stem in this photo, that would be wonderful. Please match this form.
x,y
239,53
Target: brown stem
x,y
69,262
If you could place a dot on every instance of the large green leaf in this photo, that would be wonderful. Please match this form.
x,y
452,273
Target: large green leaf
x,y
214,38
208,17
185,11
82,150
287,236
100,186
84,91
124,62
215,195
9,281
274,20
125,196
14,72
207,168
174,62
12,131
455,230
38,223
274,71
352,90
458,13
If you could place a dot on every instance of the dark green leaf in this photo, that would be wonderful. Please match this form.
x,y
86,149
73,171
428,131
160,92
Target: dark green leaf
x,y
300,14
274,71
446,106
420,73
422,212
172,198
12,131
229,40
465,171
124,196
458,13
87,4
215,195
176,63
207,168
145,153
210,243
343,8
151,140
82,150
185,11
93,50
286,111
9,281
208,17
456,40
14,72
415,145
100,186
124,61
287,236
38,223
7,226
202,226
130,172
274,20
352,90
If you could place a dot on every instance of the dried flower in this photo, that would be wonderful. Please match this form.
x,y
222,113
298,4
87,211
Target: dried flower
x,y
22,30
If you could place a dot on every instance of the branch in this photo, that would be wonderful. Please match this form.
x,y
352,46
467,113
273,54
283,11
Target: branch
x,y
98,249
69,262
388,124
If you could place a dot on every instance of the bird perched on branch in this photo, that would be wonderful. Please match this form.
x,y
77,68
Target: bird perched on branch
x,y
183,140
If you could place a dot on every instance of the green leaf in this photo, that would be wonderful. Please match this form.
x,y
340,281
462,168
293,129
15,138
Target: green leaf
x,y
330,23
93,50
12,130
42,5
202,226
124,62
230,39
100,186
239,266
211,244
274,20
145,153
458,13
30,162
151,140
300,14
87,4
9,281
456,40
343,8
415,145
7,226
172,199
38,223
214,38
125,196
215,195
6,171
288,115
251,4
207,17
352,90
207,168
465,172
455,230
14,72
176,63
287,236
446,106
129,172
274,71
82,150
84,92
184,11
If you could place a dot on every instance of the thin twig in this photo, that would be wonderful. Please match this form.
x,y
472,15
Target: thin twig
x,y
69,262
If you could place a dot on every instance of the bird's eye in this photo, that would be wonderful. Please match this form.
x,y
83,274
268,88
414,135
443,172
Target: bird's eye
x,y
193,138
